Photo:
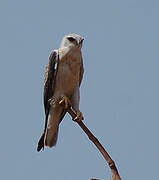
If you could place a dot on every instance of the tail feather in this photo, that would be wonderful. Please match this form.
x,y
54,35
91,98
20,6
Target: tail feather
x,y
41,143
52,127
51,135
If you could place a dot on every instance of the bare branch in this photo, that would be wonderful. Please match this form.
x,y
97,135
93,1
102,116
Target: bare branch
x,y
111,163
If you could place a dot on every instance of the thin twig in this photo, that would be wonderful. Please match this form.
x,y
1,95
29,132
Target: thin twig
x,y
111,163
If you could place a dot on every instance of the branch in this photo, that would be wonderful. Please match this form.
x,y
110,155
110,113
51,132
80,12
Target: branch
x,y
111,163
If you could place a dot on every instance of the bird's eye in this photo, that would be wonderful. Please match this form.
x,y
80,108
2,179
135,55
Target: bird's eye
x,y
71,39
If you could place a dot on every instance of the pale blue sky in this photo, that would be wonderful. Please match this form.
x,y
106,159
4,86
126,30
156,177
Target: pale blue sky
x,y
119,93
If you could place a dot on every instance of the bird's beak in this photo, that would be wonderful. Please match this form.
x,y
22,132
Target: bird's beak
x,y
80,42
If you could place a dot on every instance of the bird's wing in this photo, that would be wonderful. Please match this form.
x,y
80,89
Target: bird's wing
x,y
49,80
81,73
49,84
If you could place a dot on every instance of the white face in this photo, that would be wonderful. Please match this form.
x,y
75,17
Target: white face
x,y
72,40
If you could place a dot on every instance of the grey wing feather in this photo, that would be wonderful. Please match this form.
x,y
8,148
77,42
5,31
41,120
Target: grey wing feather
x,y
49,84
49,80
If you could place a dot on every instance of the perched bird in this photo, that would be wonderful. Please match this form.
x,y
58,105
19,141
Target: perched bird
x,y
62,81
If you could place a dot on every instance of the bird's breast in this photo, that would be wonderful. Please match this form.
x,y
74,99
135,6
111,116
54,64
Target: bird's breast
x,y
67,78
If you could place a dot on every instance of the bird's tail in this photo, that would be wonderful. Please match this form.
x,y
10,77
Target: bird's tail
x,y
53,119
51,134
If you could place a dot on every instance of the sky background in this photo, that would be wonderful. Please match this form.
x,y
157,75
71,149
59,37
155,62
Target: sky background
x,y
119,92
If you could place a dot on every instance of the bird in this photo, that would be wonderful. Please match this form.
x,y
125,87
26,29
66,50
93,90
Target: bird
x,y
62,80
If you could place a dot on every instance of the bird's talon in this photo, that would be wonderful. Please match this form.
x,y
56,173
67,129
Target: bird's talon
x,y
66,102
79,117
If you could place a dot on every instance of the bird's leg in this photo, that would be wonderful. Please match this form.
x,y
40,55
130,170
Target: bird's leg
x,y
75,98
67,104
79,116
65,101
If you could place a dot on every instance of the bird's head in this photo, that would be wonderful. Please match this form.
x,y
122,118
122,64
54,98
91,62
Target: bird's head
x,y
72,41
